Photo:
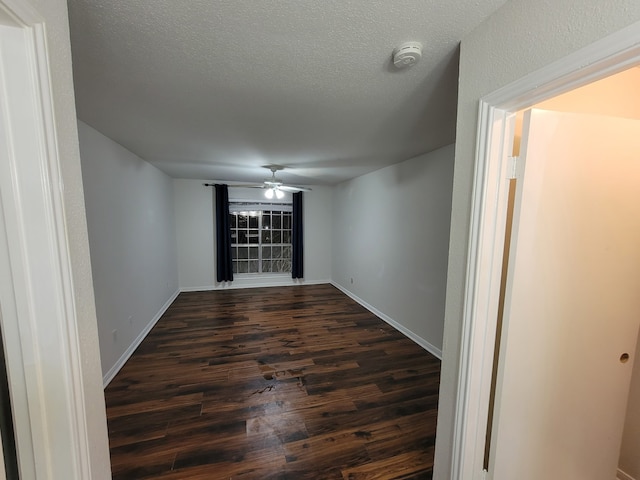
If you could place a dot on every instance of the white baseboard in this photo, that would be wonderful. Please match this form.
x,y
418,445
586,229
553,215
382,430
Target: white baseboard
x,y
417,339
250,283
622,475
106,379
433,350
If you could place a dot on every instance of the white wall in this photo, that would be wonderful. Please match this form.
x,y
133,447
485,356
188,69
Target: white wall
x,y
131,226
195,233
391,235
55,16
521,37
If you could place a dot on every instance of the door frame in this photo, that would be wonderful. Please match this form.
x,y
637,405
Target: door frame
x,y
608,56
39,318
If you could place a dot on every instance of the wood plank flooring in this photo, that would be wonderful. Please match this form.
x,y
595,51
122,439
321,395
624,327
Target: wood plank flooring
x,y
273,383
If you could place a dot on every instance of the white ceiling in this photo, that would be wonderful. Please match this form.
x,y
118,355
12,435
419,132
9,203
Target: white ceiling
x,y
214,89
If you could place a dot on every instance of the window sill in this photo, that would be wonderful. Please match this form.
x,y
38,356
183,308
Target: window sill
x,y
261,275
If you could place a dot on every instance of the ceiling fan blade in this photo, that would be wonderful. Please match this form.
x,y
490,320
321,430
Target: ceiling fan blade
x,y
293,188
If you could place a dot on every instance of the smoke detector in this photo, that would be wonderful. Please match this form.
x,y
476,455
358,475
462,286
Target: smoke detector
x,y
407,54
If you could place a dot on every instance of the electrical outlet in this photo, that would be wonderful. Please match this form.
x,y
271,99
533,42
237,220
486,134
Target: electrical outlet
x,y
115,335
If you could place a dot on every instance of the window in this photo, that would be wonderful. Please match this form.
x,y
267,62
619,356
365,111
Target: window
x,y
260,237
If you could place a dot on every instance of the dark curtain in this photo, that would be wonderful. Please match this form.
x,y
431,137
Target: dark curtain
x,y
224,264
297,264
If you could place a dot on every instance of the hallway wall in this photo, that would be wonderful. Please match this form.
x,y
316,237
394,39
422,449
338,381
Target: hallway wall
x,y
132,239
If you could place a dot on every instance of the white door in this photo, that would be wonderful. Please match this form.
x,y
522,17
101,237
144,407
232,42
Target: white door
x,y
573,300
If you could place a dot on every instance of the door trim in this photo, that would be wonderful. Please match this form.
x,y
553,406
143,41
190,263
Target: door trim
x,y
43,347
610,55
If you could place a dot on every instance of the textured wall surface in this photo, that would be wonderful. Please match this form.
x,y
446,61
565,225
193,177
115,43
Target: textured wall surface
x,y
521,37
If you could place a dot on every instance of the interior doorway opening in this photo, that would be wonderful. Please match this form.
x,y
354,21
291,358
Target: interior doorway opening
x,y
39,320
612,97
496,124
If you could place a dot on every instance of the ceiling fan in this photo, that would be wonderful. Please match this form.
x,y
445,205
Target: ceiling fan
x,y
274,187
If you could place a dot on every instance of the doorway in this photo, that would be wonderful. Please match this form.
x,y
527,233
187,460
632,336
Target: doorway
x,y
585,180
496,123
38,308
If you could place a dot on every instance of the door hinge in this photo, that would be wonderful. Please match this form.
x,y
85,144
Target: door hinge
x,y
512,167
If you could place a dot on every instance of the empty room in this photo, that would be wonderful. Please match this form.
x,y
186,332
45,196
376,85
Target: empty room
x,y
251,240
268,235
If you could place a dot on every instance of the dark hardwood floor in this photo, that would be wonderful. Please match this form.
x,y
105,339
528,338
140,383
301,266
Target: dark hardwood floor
x,y
273,383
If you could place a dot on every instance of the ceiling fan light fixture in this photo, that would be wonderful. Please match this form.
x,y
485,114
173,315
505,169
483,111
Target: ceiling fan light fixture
x,y
279,193
269,193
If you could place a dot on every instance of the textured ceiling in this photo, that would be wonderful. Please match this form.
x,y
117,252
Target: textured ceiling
x,y
216,89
